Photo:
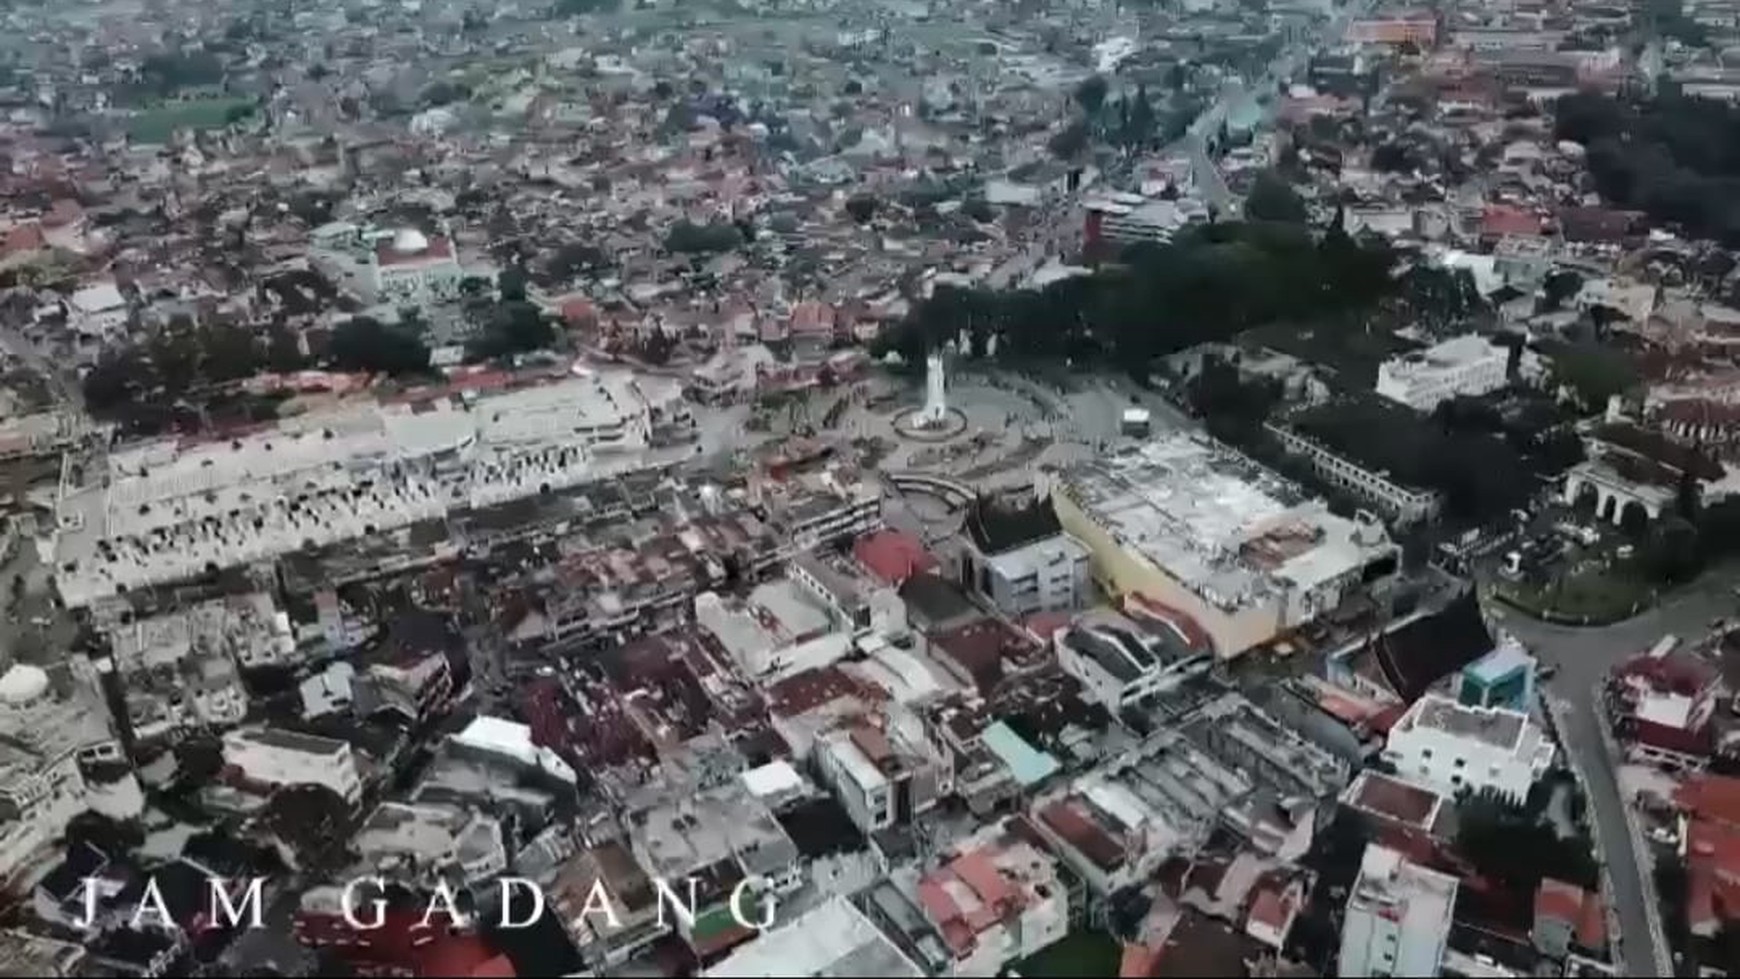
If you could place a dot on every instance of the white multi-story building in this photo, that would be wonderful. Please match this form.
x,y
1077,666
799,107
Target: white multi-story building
x,y
1452,747
1123,218
413,268
1402,504
183,668
172,509
428,840
882,775
1398,917
272,757
58,758
1119,663
832,939
404,267
1465,365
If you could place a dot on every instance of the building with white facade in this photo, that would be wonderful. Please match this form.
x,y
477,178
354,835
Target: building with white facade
x,y
1019,559
1402,504
402,268
271,758
171,509
883,774
1120,663
1218,539
811,509
1452,747
1398,917
1124,218
1465,365
428,840
58,758
182,669
831,939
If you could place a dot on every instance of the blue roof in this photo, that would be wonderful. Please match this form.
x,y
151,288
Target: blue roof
x,y
1029,765
1500,663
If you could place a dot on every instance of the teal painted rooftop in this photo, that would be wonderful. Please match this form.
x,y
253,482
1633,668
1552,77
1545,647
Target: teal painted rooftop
x,y
1029,765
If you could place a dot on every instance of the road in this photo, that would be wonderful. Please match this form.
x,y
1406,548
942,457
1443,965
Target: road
x,y
1206,176
1583,657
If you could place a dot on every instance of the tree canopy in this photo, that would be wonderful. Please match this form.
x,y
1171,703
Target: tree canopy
x,y
1517,848
516,327
1070,141
691,238
1206,285
1594,372
366,344
1272,198
1091,94
1675,157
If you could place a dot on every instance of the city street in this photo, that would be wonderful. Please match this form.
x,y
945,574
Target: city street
x,y
1583,657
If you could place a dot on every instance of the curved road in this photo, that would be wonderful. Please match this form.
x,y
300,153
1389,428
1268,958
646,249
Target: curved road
x,y
1583,657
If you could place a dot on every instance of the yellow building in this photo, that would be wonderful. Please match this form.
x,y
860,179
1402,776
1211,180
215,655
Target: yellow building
x,y
1187,522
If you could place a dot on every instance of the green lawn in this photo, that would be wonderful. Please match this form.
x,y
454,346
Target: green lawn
x,y
1080,953
156,124
1594,595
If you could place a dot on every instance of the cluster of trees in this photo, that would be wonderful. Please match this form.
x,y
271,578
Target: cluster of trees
x,y
364,344
513,327
1681,544
170,72
1594,372
575,8
181,357
1478,473
1207,285
1675,157
687,237
1130,121
1516,847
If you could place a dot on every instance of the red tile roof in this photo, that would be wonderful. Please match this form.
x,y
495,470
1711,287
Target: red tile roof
x,y
22,238
1503,219
1396,799
1271,909
805,691
1067,821
893,556
1558,901
1711,797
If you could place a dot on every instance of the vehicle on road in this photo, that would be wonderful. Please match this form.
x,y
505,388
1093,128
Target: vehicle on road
x,y
1664,646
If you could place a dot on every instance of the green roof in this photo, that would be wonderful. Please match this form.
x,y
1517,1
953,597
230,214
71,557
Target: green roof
x,y
1029,765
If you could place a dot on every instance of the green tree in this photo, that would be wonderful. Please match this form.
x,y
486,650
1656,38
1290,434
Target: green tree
x,y
1593,372
1091,94
1070,141
516,328
366,345
1507,844
861,207
511,284
686,237
1273,199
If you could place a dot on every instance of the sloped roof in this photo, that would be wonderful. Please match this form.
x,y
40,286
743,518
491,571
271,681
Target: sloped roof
x,y
1423,651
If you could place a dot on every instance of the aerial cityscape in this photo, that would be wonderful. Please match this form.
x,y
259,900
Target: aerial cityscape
x,y
637,488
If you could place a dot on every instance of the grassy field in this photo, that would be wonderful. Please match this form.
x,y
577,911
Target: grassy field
x,y
1080,953
156,124
1592,595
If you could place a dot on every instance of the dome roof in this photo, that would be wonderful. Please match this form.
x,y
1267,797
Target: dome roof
x,y
23,684
410,241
